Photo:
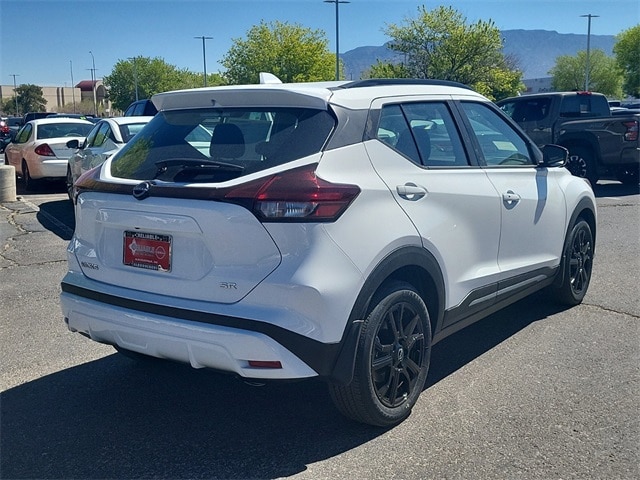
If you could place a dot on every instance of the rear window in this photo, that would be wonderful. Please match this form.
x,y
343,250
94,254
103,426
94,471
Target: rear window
x,y
57,130
214,145
129,130
584,105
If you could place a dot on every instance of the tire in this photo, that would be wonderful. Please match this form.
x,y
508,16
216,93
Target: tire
x,y
582,164
628,176
29,183
392,360
69,183
578,265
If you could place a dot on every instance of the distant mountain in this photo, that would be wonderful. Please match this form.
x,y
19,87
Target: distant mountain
x,y
534,50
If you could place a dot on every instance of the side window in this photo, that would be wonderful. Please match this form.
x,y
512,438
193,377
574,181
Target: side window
x,y
528,110
92,135
436,135
24,134
424,132
393,130
499,143
101,135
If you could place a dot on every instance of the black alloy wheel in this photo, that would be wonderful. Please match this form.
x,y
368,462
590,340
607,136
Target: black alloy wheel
x,y
392,361
578,265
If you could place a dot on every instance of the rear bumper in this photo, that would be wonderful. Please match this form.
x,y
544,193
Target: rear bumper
x,y
48,168
201,339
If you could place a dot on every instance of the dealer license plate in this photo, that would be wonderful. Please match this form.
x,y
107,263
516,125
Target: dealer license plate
x,y
147,250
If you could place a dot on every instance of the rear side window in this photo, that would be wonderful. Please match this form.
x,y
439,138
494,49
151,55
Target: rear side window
x,y
424,132
527,110
214,145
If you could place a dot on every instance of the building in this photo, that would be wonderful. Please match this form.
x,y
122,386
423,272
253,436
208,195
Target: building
x,y
538,85
62,99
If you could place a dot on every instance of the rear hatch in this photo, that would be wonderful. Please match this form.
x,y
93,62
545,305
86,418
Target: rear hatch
x,y
192,229
192,249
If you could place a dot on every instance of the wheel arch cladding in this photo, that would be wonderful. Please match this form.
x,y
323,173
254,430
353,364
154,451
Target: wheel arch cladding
x,y
413,265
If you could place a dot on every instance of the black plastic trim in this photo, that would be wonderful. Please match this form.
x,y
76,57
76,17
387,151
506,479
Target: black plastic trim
x,y
406,257
321,357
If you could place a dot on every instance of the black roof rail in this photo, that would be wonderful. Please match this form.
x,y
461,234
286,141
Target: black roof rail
x,y
375,82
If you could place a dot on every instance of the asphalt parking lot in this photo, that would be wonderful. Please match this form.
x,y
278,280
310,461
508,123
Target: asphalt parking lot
x,y
532,392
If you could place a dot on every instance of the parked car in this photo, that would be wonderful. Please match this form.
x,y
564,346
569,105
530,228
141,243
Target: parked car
x,y
106,137
40,148
82,116
334,230
624,111
9,126
34,116
600,144
143,108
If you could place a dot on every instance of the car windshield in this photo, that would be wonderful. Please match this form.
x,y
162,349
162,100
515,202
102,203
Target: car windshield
x,y
213,145
56,130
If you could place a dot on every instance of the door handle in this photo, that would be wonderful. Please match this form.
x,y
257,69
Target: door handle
x,y
510,198
411,191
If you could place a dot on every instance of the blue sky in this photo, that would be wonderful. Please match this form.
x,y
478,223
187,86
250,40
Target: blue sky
x,y
42,41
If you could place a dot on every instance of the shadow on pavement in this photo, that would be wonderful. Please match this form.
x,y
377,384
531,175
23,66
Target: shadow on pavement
x,y
115,418
615,190
58,217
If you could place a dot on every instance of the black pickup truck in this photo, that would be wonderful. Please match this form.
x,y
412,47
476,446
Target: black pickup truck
x,y
599,143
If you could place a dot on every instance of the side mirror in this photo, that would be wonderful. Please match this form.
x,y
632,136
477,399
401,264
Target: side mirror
x,y
75,143
554,156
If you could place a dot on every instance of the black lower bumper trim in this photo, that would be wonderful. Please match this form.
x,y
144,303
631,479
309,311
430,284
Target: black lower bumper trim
x,y
321,357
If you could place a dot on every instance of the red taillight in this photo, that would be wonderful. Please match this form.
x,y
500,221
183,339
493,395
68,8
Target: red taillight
x,y
4,128
44,150
295,195
631,134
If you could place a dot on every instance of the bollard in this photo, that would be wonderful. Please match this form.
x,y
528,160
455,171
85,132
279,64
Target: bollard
x,y
7,183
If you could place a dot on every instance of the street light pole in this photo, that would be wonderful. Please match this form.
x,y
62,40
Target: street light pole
x,y
204,56
586,77
15,94
93,84
73,87
337,2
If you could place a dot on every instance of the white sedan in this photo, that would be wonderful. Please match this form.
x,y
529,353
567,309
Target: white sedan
x,y
105,138
40,148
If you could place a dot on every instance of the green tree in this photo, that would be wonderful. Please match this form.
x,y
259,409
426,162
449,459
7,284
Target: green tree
x,y
439,44
8,106
569,73
30,99
289,51
151,75
627,55
386,70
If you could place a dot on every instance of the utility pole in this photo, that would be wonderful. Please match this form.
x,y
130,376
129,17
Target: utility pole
x,y
93,84
337,2
135,74
15,94
586,77
73,87
204,56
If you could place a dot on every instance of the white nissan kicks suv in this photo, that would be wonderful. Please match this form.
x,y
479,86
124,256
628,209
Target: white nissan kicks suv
x,y
334,230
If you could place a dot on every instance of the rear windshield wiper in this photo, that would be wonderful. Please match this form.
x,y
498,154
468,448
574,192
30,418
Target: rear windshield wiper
x,y
193,167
